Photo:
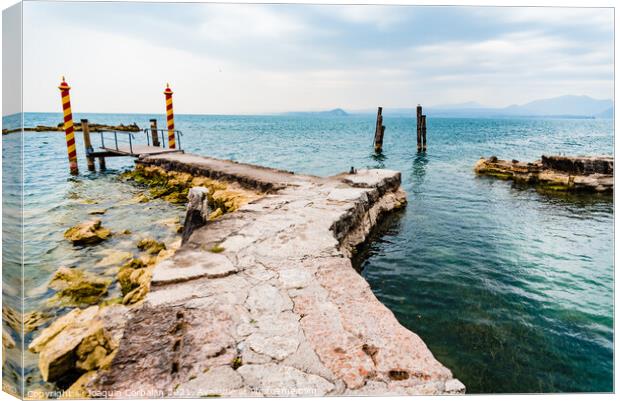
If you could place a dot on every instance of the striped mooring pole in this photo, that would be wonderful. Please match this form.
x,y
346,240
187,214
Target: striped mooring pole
x,y
170,117
69,130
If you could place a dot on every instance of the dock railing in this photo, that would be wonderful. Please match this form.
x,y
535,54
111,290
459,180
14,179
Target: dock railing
x,y
116,137
162,135
121,141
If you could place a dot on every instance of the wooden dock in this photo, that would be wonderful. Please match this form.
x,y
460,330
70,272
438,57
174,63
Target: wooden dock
x,y
134,150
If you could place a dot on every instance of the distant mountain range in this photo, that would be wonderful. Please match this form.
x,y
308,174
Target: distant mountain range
x,y
568,106
327,113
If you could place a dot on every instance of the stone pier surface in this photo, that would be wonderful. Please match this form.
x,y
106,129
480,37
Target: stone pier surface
x,y
558,173
264,301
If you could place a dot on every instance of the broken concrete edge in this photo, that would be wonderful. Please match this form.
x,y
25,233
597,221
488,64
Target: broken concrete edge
x,y
583,174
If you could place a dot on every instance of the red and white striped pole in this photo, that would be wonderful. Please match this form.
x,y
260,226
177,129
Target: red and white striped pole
x,y
68,125
170,117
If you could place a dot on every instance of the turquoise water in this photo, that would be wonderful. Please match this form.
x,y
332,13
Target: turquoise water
x,y
510,288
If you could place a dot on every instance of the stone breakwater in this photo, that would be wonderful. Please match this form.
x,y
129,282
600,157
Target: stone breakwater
x,y
264,301
558,173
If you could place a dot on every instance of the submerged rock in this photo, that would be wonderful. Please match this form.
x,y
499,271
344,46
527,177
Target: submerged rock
x,y
7,343
75,287
114,258
87,233
151,246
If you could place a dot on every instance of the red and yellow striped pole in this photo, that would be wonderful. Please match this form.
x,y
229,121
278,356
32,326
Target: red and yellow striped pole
x,y
69,130
170,117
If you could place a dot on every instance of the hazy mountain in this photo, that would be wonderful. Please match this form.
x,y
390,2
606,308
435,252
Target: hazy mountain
x,y
568,106
465,105
327,113
562,106
609,113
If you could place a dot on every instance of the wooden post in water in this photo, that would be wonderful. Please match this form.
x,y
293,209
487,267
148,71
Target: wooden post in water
x,y
102,163
68,126
419,126
154,133
88,147
379,131
423,124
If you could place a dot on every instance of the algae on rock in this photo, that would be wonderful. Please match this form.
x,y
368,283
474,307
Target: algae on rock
x,y
75,287
87,233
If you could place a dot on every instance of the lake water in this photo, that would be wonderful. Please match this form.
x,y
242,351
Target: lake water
x,y
510,288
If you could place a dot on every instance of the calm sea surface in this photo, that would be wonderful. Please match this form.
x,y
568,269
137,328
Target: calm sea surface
x,y
510,288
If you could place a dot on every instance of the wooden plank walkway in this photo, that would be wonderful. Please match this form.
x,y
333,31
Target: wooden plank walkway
x,y
137,150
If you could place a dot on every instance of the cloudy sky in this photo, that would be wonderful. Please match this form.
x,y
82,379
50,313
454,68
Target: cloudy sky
x,y
226,58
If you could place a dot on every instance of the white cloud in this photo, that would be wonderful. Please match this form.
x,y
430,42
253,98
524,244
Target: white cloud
x,y
233,22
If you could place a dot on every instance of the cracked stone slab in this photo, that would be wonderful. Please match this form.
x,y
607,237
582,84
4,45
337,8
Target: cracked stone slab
x,y
190,266
284,381
217,381
267,299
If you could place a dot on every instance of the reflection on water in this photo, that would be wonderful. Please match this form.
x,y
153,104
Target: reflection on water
x,y
510,288
379,158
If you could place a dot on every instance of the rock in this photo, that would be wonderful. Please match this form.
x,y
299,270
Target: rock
x,y
140,198
79,388
34,319
277,380
114,258
217,381
190,265
87,233
217,213
79,341
75,287
197,210
98,211
151,246
134,279
7,343
554,173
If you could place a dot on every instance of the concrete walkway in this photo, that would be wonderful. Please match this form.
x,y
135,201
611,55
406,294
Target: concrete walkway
x,y
265,302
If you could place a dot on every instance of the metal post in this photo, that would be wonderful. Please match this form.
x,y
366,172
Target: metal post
x,y
68,125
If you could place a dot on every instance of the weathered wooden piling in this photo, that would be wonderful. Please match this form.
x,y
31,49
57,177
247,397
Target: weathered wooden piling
x,y
88,147
154,134
419,126
68,125
423,129
379,130
102,163
170,117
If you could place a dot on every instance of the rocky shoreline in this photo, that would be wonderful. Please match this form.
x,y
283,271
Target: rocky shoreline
x,y
262,301
77,127
592,174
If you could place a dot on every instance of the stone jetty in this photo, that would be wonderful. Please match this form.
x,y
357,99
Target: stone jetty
x,y
262,299
558,173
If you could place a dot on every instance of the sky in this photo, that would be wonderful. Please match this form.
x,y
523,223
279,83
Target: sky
x,y
252,59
